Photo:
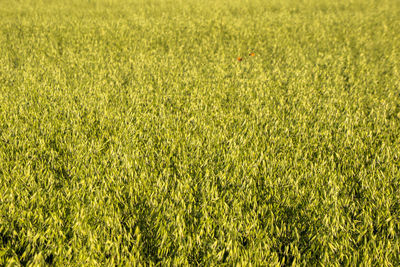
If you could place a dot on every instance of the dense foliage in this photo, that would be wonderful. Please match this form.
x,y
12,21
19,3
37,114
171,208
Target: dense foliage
x,y
131,133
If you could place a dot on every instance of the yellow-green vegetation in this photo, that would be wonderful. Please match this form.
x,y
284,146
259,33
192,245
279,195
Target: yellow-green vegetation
x,y
130,133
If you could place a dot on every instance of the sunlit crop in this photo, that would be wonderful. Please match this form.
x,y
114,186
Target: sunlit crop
x,y
204,133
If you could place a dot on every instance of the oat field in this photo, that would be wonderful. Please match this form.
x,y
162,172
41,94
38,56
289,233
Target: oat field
x,y
200,133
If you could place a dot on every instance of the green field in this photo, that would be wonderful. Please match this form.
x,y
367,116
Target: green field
x,y
131,134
